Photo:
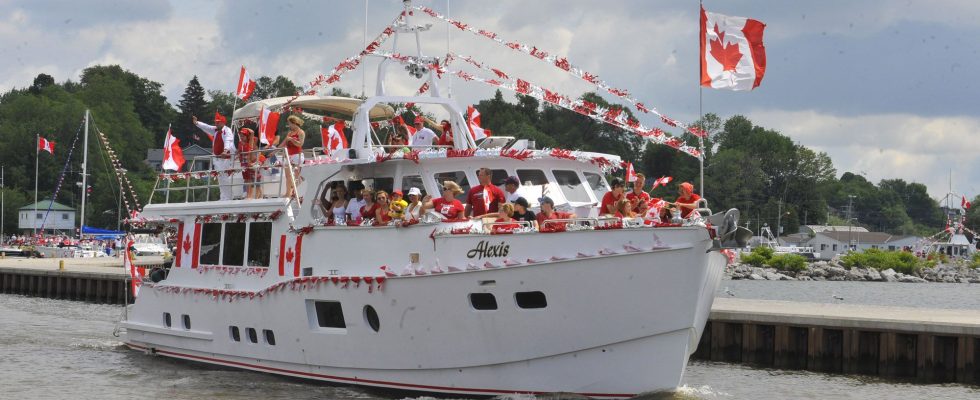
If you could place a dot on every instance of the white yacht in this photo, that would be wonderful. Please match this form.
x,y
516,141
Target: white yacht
x,y
602,307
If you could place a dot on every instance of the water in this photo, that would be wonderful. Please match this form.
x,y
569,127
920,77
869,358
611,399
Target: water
x,y
53,349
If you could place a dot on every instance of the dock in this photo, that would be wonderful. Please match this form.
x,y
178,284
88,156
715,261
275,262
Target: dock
x,y
97,280
912,344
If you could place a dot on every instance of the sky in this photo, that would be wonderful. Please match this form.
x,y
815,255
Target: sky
x,y
886,88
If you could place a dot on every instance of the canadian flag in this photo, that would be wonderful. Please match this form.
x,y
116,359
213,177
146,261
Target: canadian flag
x,y
268,120
245,85
661,181
965,204
630,173
136,274
473,121
290,249
45,145
333,137
187,251
173,155
732,54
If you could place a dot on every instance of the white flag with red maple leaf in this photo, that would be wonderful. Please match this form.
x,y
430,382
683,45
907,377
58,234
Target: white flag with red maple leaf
x,y
732,54
173,155
245,85
473,121
333,137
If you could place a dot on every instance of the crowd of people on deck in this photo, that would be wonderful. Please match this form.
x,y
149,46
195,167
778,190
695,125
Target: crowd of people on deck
x,y
502,210
242,149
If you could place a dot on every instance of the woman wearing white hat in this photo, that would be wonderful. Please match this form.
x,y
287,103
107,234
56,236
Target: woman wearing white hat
x,y
414,209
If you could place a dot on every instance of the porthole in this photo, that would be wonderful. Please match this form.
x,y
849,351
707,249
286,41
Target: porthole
x,y
186,320
270,337
252,336
236,335
372,318
166,319
531,299
483,301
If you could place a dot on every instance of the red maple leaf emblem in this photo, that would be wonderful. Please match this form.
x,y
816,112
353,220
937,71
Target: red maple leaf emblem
x,y
187,244
334,143
726,54
289,255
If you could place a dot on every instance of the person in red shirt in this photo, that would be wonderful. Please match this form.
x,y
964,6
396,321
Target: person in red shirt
x,y
611,197
447,205
637,197
447,134
623,209
688,200
548,213
484,198
381,207
505,222
370,208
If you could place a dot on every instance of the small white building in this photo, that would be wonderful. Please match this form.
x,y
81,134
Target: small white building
x,y
831,243
60,218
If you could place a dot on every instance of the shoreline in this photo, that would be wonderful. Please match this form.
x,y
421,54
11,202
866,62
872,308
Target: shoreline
x,y
834,271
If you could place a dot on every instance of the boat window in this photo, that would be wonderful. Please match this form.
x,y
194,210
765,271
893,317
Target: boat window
x,y
571,186
376,184
252,336
410,181
210,244
259,243
166,319
597,183
531,177
186,319
531,299
457,176
236,335
372,318
234,244
497,176
483,301
270,337
329,314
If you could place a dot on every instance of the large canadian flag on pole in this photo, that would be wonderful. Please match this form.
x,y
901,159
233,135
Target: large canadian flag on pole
x,y
245,85
173,155
732,54
45,145
268,120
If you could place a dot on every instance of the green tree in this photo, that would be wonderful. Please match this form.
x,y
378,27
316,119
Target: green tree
x,y
192,103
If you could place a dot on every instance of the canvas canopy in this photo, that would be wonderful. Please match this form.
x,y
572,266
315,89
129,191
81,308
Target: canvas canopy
x,y
334,104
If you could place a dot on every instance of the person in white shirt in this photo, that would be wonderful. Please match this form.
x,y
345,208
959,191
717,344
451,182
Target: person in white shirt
x,y
223,148
354,205
510,188
423,136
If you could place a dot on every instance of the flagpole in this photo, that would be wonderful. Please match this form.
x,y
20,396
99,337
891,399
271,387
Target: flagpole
x,y
700,104
81,225
37,153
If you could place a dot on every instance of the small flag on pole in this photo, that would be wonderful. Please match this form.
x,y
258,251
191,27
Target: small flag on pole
x,y
473,121
45,145
245,85
173,155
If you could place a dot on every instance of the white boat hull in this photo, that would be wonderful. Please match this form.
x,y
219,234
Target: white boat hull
x,y
614,326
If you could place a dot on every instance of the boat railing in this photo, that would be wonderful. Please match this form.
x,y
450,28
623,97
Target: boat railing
x,y
507,227
201,183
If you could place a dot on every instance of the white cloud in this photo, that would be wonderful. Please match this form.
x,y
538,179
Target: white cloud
x,y
889,146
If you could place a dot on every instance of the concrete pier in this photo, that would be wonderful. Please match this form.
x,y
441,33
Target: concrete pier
x,y
97,280
921,345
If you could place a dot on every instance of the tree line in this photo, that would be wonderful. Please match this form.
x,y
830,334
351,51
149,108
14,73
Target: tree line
x,y
757,170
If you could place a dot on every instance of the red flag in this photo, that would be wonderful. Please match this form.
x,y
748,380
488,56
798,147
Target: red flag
x,y
965,204
333,137
661,181
173,155
268,120
732,54
630,173
473,122
45,145
245,85
135,273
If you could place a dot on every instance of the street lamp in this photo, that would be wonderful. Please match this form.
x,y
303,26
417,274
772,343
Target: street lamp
x,y
850,234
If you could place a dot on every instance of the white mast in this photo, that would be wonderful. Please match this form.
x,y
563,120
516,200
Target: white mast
x,y
37,153
81,225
